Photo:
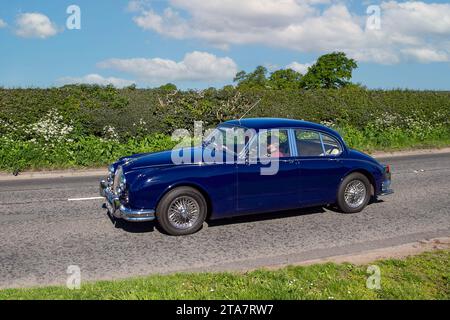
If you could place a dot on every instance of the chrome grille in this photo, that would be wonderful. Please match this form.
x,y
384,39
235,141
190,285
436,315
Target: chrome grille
x,y
110,179
116,180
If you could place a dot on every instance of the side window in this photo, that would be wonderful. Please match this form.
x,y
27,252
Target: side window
x,y
308,143
331,145
315,144
274,144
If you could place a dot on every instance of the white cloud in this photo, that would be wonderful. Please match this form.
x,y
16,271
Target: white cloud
x,y
137,5
408,29
196,66
96,79
415,17
35,25
2,24
299,67
427,55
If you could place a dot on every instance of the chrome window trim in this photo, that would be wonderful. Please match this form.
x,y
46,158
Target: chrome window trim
x,y
292,143
295,154
323,146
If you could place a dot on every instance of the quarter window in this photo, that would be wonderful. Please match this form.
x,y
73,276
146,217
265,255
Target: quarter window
x,y
331,145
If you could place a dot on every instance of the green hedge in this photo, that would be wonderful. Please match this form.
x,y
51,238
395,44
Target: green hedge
x,y
84,126
85,152
135,112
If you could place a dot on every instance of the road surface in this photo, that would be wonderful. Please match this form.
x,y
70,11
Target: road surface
x,y
42,233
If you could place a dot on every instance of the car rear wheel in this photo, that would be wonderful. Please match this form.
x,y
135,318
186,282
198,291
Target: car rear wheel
x,y
182,211
354,193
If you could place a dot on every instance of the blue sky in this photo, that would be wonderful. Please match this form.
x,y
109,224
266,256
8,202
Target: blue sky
x,y
197,44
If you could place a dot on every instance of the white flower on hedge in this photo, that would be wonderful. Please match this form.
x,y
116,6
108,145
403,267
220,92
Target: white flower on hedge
x,y
328,123
110,133
51,128
387,120
141,127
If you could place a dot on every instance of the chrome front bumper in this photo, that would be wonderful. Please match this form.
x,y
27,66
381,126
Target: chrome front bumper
x,y
120,211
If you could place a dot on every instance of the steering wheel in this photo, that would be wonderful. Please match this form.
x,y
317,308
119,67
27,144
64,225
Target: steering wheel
x,y
332,152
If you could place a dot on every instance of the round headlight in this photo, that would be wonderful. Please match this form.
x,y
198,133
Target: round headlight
x,y
122,179
118,179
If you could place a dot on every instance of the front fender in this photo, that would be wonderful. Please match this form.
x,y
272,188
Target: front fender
x,y
216,182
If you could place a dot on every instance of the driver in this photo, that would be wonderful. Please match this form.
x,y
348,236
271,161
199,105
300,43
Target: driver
x,y
273,150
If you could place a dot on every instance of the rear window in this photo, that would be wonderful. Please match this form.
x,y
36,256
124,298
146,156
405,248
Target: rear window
x,y
311,143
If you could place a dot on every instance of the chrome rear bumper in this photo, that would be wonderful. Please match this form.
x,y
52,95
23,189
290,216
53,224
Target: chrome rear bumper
x,y
386,188
120,211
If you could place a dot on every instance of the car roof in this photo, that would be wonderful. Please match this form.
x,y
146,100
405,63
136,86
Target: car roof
x,y
273,123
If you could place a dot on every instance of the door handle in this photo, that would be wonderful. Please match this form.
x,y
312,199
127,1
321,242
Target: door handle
x,y
293,161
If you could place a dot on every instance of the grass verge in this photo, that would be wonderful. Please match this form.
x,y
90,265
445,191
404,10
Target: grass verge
x,y
426,276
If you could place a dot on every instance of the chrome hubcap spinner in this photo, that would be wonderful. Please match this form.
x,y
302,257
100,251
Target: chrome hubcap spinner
x,y
355,193
183,212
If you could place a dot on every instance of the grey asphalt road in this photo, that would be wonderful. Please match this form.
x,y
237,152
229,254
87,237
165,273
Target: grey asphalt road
x,y
42,233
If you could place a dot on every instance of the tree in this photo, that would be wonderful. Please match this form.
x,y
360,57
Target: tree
x,y
285,79
240,76
331,71
131,87
255,79
168,87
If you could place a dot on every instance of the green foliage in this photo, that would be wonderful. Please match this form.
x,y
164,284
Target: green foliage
x,y
279,80
168,87
285,80
86,151
419,277
92,110
78,126
254,80
331,71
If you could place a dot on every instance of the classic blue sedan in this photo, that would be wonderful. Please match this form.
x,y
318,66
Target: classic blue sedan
x,y
244,167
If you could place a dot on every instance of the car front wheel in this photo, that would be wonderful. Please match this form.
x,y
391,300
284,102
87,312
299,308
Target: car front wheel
x,y
354,193
182,211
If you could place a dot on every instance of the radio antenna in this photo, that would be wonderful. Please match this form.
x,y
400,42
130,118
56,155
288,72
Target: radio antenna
x,y
250,109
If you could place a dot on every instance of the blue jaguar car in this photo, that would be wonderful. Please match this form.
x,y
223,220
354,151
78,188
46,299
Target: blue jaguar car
x,y
244,167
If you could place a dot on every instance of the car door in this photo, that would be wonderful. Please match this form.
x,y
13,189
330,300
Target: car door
x,y
268,179
321,166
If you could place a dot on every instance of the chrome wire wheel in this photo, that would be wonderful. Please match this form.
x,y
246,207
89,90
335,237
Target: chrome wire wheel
x,y
355,193
183,212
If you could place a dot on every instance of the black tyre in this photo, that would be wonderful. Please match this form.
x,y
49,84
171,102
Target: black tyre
x,y
182,211
354,193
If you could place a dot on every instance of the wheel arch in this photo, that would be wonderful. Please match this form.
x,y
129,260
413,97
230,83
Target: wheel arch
x,y
368,175
193,186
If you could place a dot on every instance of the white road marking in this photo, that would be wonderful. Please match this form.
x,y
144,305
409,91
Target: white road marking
x,y
85,199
